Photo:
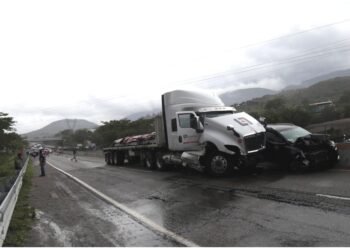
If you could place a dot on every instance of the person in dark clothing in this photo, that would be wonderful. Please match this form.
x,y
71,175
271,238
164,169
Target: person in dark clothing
x,y
74,155
42,161
18,162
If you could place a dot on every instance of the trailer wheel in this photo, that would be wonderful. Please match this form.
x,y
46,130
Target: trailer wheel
x,y
108,158
160,164
149,161
218,164
113,156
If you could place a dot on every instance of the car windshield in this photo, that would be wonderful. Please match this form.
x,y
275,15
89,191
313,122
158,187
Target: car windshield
x,y
293,133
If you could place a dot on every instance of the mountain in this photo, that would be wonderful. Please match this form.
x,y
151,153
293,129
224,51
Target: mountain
x,y
331,89
312,81
55,127
242,95
143,114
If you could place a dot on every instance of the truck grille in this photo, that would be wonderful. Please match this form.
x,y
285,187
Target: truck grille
x,y
254,142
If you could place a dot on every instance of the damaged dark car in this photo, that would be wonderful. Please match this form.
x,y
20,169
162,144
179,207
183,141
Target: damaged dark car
x,y
298,149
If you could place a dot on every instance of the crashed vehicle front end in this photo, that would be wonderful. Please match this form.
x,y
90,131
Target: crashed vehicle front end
x,y
318,150
298,148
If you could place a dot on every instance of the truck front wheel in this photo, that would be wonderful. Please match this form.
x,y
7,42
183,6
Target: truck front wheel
x,y
218,164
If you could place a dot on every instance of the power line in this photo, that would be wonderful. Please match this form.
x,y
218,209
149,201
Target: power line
x,y
294,34
285,36
315,52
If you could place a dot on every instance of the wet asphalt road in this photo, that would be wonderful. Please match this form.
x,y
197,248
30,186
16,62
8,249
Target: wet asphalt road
x,y
68,215
273,208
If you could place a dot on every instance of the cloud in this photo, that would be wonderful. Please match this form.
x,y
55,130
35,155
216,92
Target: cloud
x,y
287,61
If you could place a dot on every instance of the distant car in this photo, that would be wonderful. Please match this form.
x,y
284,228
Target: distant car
x,y
34,152
297,148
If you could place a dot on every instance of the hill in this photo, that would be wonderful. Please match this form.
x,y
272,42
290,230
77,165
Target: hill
x,y
55,127
143,114
331,89
242,95
312,81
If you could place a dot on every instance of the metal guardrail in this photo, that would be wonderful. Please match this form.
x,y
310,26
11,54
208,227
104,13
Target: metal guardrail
x,y
8,204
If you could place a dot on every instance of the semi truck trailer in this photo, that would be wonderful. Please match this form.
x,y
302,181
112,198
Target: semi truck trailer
x,y
195,130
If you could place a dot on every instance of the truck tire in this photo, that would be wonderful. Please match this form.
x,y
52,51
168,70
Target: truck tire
x,y
108,158
160,164
149,161
113,158
218,164
120,158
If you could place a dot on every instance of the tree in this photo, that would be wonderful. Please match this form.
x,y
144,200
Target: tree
x,y
296,115
67,137
81,136
9,140
275,104
344,99
115,129
6,123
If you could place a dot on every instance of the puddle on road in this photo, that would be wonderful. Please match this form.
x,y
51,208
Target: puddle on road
x,y
179,205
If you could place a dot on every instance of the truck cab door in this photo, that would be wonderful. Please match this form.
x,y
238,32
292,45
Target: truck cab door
x,y
188,132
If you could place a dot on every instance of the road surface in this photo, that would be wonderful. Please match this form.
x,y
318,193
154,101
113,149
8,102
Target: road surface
x,y
271,209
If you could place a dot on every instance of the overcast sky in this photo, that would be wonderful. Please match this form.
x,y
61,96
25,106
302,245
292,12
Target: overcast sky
x,y
104,60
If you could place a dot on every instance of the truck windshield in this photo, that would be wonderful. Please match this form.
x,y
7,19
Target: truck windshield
x,y
216,113
293,133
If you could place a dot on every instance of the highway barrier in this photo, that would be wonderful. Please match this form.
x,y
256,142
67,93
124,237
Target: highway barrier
x,y
8,204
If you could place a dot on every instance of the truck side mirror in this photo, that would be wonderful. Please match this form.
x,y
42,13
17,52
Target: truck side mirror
x,y
196,124
200,127
262,120
193,122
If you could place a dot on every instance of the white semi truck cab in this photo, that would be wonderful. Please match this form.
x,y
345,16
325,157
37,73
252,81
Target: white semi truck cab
x,y
198,131
199,125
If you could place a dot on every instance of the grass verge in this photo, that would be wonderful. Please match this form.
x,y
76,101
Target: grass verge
x,y
6,167
23,214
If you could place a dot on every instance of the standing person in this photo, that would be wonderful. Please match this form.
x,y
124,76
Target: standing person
x,y
42,161
74,155
18,162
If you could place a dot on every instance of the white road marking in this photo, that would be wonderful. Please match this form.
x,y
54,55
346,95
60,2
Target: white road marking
x,y
132,213
334,197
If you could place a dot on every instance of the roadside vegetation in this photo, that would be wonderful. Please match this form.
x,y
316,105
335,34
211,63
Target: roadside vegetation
x,y
23,214
293,106
6,166
10,144
7,174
